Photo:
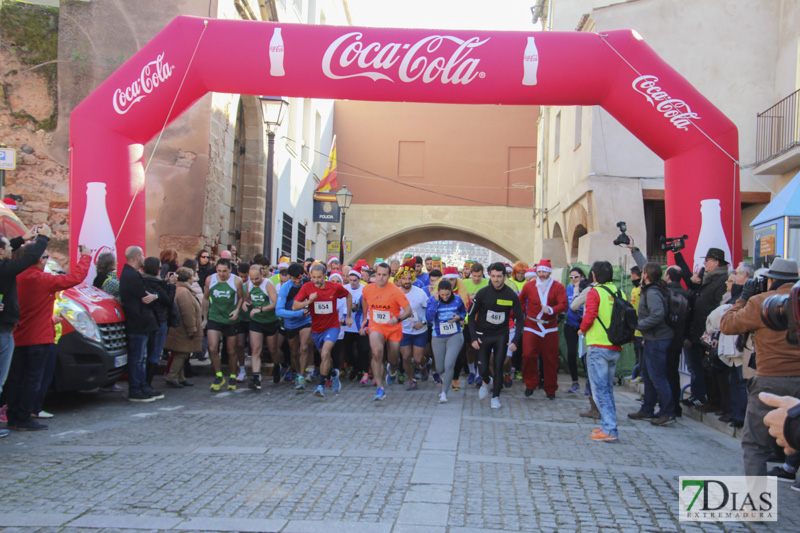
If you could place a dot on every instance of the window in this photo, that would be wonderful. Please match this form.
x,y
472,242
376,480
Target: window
x,y
286,236
557,137
411,159
578,125
301,241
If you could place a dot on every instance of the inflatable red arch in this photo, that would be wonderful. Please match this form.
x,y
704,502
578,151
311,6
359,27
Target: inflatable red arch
x,y
193,56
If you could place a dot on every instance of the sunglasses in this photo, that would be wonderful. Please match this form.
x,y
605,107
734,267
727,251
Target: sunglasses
x,y
45,257
574,277
203,257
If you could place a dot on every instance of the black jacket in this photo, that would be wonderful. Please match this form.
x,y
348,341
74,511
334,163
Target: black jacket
x,y
708,297
502,303
8,278
203,273
791,427
166,294
140,318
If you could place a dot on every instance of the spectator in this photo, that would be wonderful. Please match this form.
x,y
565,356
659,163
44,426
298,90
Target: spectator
x,y
188,337
673,279
35,335
107,271
636,279
191,264
603,355
204,266
656,337
9,306
708,289
140,323
169,262
778,367
162,307
573,323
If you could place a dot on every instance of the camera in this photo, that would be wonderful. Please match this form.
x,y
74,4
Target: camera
x,y
781,312
758,285
623,238
674,244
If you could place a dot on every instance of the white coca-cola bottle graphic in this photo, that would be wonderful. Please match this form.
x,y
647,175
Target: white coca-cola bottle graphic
x,y
276,54
530,63
711,233
96,232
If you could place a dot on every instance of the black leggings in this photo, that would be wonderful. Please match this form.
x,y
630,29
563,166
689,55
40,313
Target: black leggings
x,y
357,351
571,337
498,345
461,362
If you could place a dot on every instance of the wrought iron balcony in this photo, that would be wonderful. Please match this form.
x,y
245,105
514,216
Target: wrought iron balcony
x,y
778,132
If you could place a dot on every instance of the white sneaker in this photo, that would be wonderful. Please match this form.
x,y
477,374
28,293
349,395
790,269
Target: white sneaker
x,y
442,398
242,375
43,414
496,403
483,392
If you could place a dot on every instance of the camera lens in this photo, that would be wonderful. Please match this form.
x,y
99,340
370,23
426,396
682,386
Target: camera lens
x,y
773,312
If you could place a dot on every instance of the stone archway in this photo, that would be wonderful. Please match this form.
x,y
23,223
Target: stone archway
x,y
579,232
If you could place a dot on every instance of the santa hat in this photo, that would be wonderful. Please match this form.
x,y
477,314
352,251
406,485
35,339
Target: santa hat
x,y
332,258
544,265
509,268
10,203
530,273
337,274
451,272
283,266
361,264
355,272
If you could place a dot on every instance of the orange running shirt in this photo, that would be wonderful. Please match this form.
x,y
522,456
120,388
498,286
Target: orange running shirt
x,y
383,304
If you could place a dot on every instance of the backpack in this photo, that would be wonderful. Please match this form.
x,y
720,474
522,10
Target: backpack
x,y
677,310
623,319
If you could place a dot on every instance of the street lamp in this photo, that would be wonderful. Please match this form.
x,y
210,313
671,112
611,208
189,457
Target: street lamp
x,y
343,198
273,109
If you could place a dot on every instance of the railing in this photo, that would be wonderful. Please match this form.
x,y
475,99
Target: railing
x,y
778,128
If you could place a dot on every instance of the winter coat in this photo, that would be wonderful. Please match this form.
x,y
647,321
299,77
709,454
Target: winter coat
x,y
652,314
709,297
188,337
165,292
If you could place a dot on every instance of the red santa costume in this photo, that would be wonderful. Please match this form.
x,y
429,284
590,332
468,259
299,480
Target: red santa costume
x,y
540,337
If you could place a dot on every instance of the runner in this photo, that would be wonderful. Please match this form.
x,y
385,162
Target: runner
x,y
242,326
297,324
324,321
473,284
385,307
460,290
415,331
422,279
222,299
489,327
542,302
259,303
445,313
356,347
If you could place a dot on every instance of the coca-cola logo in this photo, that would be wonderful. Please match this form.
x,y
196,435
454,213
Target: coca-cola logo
x,y
677,111
102,250
153,74
436,57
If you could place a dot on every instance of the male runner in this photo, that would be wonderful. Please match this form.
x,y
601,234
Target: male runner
x,y
473,283
297,324
243,325
489,327
415,331
324,321
222,299
385,306
259,303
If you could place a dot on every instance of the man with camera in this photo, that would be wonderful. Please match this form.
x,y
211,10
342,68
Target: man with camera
x,y
777,362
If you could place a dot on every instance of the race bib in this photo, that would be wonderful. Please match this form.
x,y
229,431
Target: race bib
x,y
448,328
495,317
323,308
380,317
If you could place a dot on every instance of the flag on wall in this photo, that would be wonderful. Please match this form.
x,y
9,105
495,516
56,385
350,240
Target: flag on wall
x,y
328,182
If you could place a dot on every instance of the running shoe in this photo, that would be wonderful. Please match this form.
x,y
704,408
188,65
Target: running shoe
x,y
255,382
218,383
336,384
242,376
507,380
380,394
602,437
401,377
781,474
390,378
471,378
288,375
483,392
437,378
417,374
496,403
518,375
42,414
232,382
424,373
412,385
478,381
299,383
442,397
575,387
320,391
365,379
456,386
276,374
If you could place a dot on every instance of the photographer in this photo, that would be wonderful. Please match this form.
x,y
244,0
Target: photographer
x,y
778,366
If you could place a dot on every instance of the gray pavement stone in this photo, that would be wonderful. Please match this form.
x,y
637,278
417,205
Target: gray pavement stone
x,y
124,521
424,514
231,524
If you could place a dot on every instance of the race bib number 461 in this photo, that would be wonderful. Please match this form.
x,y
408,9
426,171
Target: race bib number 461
x,y
495,317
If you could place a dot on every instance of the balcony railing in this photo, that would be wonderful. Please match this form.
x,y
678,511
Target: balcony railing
x,y
778,128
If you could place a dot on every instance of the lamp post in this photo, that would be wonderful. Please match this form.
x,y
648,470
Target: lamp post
x,y
343,198
273,109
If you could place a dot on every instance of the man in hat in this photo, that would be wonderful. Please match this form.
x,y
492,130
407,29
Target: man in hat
x,y
777,362
333,263
541,303
709,291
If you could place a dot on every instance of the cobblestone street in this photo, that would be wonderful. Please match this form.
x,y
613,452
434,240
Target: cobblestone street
x,y
282,461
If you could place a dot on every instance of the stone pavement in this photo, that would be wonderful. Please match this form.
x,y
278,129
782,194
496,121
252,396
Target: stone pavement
x,y
282,461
